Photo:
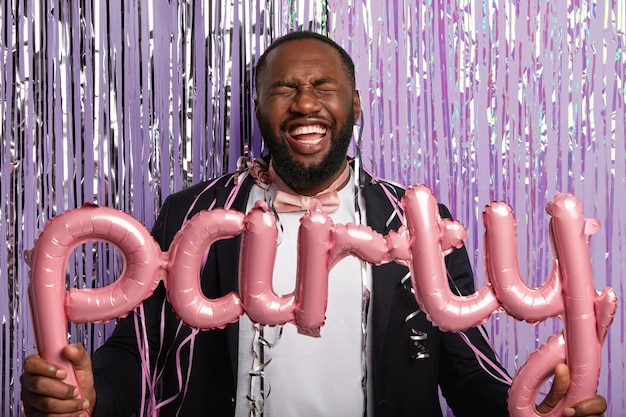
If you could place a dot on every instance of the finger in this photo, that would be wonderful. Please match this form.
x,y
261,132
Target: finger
x,y
46,406
559,388
36,385
594,406
575,414
36,365
43,396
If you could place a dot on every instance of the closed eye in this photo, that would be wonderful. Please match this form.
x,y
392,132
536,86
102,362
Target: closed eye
x,y
282,87
325,84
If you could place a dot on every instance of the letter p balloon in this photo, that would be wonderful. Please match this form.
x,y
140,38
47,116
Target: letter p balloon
x,y
52,306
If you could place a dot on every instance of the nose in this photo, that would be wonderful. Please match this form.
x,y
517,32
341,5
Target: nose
x,y
305,101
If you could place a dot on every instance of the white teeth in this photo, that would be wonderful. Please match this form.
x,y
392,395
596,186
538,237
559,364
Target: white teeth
x,y
311,142
305,130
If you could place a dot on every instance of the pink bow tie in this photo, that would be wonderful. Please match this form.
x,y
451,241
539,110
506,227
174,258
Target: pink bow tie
x,y
287,200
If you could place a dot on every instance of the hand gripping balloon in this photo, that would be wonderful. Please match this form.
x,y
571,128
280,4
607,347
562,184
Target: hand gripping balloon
x,y
52,306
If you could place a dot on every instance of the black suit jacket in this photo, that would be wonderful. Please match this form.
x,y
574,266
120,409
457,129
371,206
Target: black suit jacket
x,y
404,384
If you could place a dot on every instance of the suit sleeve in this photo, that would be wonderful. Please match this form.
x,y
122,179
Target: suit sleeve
x,y
468,387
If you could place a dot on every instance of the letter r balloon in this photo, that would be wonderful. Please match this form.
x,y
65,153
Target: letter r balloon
x,y
421,244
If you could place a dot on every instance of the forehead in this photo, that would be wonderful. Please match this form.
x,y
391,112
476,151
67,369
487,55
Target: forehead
x,y
300,57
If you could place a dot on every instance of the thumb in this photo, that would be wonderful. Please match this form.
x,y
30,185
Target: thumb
x,y
81,361
559,388
78,356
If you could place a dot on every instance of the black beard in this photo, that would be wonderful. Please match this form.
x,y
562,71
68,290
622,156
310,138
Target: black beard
x,y
299,176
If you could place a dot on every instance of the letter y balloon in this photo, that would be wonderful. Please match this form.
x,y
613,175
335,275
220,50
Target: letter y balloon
x,y
567,293
586,313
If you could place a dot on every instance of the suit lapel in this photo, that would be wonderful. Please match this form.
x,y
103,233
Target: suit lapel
x,y
385,277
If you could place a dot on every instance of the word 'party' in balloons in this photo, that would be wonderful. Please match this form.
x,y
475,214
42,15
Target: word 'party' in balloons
x,y
421,244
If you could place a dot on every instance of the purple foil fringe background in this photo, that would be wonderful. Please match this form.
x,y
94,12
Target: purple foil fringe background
x,y
122,103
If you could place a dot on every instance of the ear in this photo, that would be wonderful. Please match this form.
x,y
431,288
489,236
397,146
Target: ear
x,y
356,104
256,108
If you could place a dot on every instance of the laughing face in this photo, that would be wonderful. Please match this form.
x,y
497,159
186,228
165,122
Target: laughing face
x,y
306,106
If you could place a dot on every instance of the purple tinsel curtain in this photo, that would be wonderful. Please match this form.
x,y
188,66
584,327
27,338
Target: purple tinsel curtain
x,y
121,103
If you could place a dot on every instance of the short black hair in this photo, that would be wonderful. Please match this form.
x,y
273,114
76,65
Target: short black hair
x,y
304,34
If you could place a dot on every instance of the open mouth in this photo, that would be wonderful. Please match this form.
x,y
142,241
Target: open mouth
x,y
309,134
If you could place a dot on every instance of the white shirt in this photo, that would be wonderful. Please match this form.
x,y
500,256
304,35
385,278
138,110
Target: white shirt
x,y
306,375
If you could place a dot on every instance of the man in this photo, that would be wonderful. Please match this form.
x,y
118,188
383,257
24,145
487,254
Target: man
x,y
306,107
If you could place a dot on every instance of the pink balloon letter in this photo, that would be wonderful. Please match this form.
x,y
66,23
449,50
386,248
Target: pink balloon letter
x,y
52,307
183,282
